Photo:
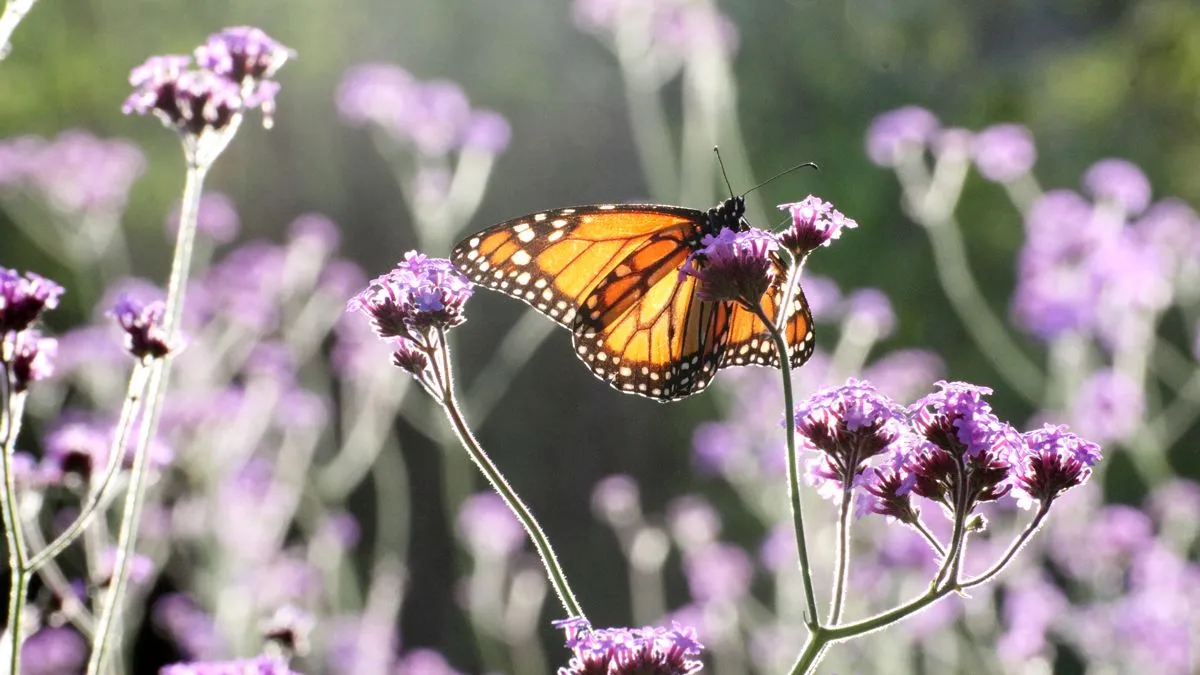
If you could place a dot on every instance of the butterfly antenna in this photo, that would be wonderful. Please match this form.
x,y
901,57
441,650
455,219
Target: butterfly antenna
x,y
780,175
723,174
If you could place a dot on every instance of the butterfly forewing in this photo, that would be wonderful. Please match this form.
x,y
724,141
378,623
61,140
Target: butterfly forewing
x,y
554,259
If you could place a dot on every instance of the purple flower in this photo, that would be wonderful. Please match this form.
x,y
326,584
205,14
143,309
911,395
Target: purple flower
x,y
74,451
615,500
693,521
870,308
190,628
23,299
1052,462
145,337
377,93
408,356
777,552
262,665
630,651
733,266
823,295
814,223
243,53
488,526
679,29
141,568
188,101
847,425
31,359
419,295
289,629
718,572
54,651
887,490
424,662
17,157
316,231
217,218
79,173
715,447
1030,610
898,131
1004,152
1119,181
487,131
1172,229
436,117
1108,406
905,372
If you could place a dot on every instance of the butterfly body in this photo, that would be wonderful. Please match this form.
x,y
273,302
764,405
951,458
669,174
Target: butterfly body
x,y
611,274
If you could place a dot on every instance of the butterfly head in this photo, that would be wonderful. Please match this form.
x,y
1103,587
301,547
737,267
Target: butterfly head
x,y
730,213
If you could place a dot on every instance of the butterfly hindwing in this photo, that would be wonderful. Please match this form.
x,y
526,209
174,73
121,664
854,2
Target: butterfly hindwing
x,y
749,342
552,260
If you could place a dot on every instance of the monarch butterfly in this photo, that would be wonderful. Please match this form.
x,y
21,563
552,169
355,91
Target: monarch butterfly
x,y
610,274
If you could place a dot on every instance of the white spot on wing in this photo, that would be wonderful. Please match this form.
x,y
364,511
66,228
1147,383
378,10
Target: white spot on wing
x,y
521,257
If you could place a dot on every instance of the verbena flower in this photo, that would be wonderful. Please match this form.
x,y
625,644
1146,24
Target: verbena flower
x,y
250,58
189,101
1052,461
24,298
733,265
887,490
53,651
630,651
488,526
261,665
419,295
814,223
848,425
1003,152
31,359
408,356
487,131
191,629
1120,181
1108,406
908,129
145,337
217,218
78,173
141,568
73,452
718,572
870,309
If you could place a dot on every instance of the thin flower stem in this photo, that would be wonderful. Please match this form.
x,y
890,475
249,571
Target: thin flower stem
x,y
933,542
814,650
1013,549
156,387
52,575
14,12
789,405
843,557
490,471
18,553
99,493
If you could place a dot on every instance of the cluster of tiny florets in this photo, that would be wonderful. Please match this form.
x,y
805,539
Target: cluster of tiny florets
x,y
652,650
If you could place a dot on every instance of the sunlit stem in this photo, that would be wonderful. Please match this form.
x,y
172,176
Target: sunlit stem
x,y
1013,548
14,12
781,348
843,555
13,403
155,389
440,364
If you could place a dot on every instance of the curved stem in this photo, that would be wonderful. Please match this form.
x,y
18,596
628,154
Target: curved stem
x,y
156,388
99,493
18,553
843,558
933,542
781,348
1013,548
490,471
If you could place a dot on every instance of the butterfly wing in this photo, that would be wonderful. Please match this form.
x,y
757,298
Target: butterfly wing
x,y
749,342
553,260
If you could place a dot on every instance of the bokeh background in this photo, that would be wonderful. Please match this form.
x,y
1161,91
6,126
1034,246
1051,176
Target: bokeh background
x,y
1090,79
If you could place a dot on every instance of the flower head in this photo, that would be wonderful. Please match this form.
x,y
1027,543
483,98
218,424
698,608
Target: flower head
x,y
1053,461
262,665
52,651
630,651
24,298
249,58
733,265
145,337
814,223
409,357
31,358
887,491
489,527
1119,181
1003,152
848,425
898,131
420,294
189,101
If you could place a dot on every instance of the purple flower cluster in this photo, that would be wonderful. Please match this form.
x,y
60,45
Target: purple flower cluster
x,y
408,305
948,447
75,173
677,28
25,352
814,223
630,651
261,665
733,265
236,70
145,337
435,116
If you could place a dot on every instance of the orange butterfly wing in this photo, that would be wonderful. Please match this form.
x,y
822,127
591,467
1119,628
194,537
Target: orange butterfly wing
x,y
749,343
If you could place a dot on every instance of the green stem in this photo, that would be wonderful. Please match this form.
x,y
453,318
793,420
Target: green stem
x,y
490,471
18,553
156,388
781,348
933,542
1013,548
843,557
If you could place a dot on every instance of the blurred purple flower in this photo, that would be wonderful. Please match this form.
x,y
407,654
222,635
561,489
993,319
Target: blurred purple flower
x,y
375,92
693,521
1107,407
289,629
141,568
145,337
777,552
424,662
18,156
905,373
630,651
715,448
74,451
316,229
189,628
718,572
823,295
78,172
24,298
1176,504
616,500
31,359
1119,181
217,218
1172,228
679,28
488,527
342,527
733,266
487,131
870,307
815,223
54,651
262,665
1004,152
436,117
420,294
954,141
188,101
1053,461
1030,609
897,131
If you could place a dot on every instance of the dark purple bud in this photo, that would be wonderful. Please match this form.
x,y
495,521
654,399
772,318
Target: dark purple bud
x,y
1054,461
24,298
145,337
30,359
733,265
